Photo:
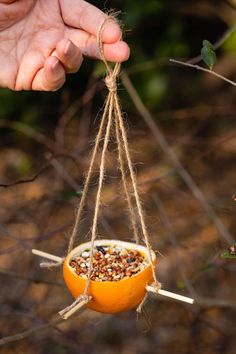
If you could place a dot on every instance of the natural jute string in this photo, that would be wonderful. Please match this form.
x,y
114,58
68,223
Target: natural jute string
x,y
111,116
128,196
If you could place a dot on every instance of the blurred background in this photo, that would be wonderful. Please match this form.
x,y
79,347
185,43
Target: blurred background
x,y
183,144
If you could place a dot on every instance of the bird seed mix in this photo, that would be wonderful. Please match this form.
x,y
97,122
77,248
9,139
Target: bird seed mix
x,y
110,263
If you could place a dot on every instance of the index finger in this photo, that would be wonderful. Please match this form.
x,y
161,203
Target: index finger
x,y
82,15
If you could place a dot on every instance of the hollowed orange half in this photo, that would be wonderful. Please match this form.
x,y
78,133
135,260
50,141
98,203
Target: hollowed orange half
x,y
110,296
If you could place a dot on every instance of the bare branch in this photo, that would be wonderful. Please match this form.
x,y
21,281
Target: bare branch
x,y
198,67
209,302
30,132
206,302
63,173
19,336
28,278
173,240
51,158
216,45
201,301
27,180
174,159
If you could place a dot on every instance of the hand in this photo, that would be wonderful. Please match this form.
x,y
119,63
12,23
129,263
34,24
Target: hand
x,y
42,40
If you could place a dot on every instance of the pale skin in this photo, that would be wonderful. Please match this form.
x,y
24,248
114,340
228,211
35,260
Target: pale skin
x,y
43,40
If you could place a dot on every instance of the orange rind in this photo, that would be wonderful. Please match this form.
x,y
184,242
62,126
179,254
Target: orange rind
x,y
110,296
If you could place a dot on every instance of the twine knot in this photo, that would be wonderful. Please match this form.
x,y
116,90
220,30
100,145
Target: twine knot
x,y
110,82
156,285
112,73
85,297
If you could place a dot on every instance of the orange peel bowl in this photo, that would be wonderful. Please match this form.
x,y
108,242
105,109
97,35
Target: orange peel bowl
x,y
110,296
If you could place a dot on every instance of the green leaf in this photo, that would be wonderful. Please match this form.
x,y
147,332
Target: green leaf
x,y
208,44
208,54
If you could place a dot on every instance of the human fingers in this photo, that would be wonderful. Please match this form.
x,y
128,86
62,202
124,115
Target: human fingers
x,y
69,55
51,77
116,52
82,15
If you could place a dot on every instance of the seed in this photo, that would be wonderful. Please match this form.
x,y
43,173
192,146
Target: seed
x,y
85,254
101,249
116,276
128,273
136,270
73,263
109,263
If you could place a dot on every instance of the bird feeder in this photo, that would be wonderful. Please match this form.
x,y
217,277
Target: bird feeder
x,y
129,292
110,296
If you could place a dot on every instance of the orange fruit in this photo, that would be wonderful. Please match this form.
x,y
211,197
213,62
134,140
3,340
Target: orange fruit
x,y
110,296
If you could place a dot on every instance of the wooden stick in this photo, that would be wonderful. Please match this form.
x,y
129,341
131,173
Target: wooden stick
x,y
67,312
47,255
170,294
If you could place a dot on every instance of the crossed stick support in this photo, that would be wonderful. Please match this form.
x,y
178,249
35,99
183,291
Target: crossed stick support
x,y
83,300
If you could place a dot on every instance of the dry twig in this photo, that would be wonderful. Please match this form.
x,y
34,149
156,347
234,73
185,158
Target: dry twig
x,y
174,159
198,67
29,278
29,332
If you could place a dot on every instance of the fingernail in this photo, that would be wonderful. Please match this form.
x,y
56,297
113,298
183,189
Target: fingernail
x,y
55,66
67,48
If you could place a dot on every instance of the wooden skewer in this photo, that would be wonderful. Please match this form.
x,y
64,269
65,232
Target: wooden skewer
x,y
47,255
70,310
84,302
170,294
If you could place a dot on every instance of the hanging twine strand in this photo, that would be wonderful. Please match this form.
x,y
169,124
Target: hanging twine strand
x,y
112,114
98,197
110,81
135,188
88,177
128,196
114,109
